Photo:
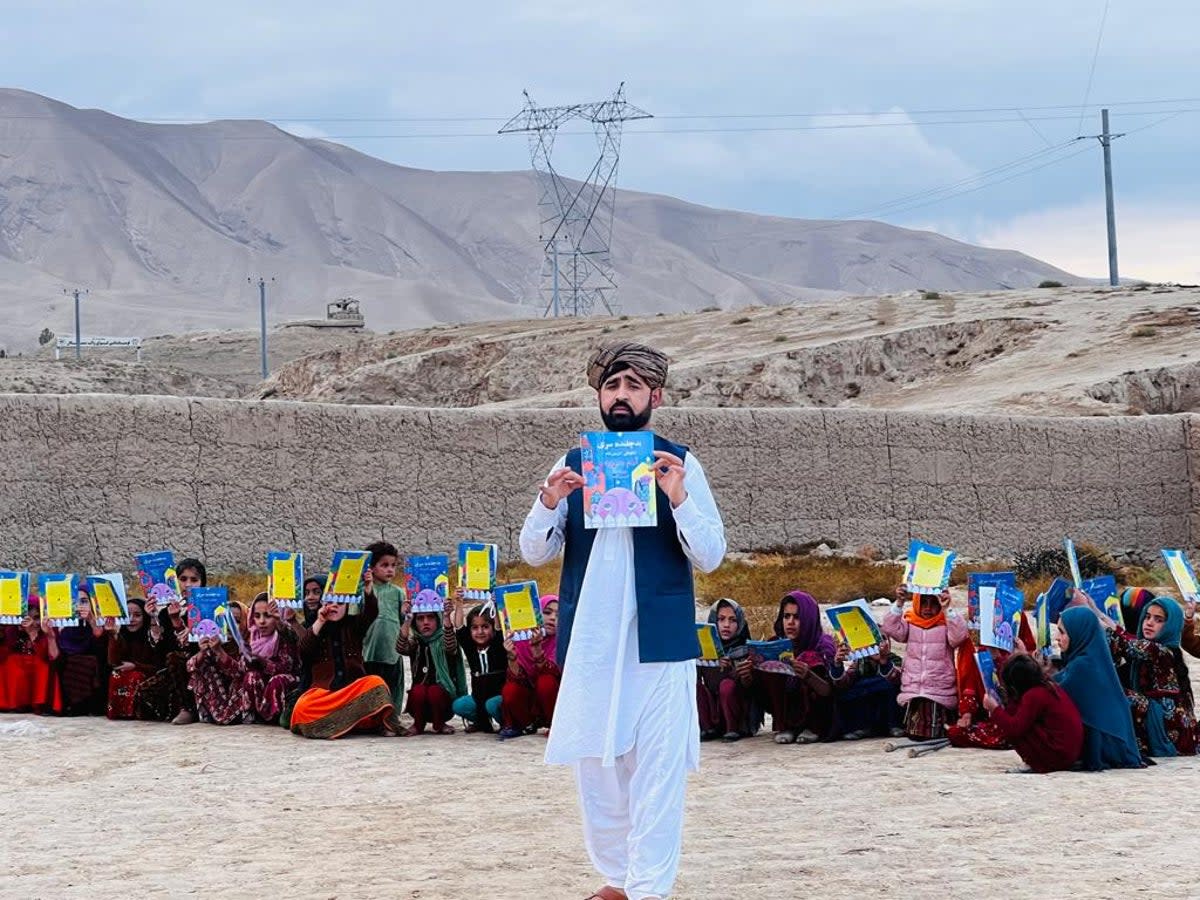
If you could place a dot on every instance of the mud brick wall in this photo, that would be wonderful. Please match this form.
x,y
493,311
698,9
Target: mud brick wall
x,y
88,481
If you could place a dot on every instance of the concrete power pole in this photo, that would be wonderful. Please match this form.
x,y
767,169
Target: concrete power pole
x,y
262,321
1106,142
76,292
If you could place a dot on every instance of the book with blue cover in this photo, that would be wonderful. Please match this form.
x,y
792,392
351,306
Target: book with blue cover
x,y
285,578
519,610
975,581
14,597
427,573
1000,609
344,583
156,573
619,489
477,569
772,656
1184,575
207,609
987,670
1103,590
1073,562
108,596
856,628
928,568
1058,595
58,593
711,648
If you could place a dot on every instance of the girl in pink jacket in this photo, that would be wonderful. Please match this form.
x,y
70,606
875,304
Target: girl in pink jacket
x,y
928,685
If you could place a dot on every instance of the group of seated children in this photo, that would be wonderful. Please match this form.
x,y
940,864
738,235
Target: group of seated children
x,y
1118,696
323,671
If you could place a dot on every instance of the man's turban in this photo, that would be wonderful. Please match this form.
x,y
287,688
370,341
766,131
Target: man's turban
x,y
647,362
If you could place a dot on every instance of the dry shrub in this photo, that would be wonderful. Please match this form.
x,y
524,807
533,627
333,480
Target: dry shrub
x,y
243,586
760,581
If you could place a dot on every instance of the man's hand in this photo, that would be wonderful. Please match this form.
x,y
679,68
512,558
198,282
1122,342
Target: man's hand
x,y
558,486
669,472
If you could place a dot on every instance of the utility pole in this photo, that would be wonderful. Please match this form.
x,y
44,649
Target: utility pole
x,y
1105,137
1106,142
77,292
262,321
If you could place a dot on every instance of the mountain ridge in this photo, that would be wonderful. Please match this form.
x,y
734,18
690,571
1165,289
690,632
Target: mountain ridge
x,y
166,223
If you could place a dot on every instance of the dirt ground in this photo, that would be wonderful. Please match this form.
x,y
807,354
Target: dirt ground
x,y
99,809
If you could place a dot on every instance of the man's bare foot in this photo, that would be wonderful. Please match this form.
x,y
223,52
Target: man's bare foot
x,y
410,731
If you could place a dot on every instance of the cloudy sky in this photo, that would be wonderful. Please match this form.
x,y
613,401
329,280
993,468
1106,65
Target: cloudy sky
x,y
954,115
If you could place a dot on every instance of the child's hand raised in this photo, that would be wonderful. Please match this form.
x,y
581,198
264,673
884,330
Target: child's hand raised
x,y
901,595
841,653
406,609
885,650
945,599
990,703
510,648
368,581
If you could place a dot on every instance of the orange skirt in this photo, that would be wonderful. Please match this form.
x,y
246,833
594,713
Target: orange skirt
x,y
360,706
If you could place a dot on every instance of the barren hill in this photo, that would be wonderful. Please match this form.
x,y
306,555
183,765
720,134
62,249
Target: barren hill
x,y
1070,351
165,223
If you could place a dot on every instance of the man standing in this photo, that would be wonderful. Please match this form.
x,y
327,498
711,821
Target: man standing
x,y
626,714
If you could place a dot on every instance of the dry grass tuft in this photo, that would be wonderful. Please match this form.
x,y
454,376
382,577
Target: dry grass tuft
x,y
758,581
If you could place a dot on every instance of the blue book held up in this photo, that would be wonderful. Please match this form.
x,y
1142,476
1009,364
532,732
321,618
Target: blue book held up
x,y
987,669
772,656
619,489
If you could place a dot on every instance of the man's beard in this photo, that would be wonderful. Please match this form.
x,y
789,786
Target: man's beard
x,y
623,418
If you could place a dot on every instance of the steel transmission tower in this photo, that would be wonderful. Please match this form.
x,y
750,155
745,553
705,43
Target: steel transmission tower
x,y
576,216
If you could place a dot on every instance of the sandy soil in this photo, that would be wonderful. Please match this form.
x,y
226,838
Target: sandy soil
x,y
99,809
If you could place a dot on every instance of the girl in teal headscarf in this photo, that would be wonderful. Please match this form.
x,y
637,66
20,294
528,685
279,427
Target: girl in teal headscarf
x,y
1156,679
429,641
1090,679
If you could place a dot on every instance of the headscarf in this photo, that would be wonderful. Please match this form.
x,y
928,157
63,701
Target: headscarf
x,y
1160,743
142,633
549,644
649,363
1090,679
449,672
73,639
261,645
1172,630
913,616
743,627
811,644
310,616
1132,601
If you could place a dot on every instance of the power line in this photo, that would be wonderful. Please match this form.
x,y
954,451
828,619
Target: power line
x,y
1092,70
962,182
168,120
649,131
870,214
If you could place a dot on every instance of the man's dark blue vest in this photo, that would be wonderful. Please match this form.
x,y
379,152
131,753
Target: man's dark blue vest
x,y
666,597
